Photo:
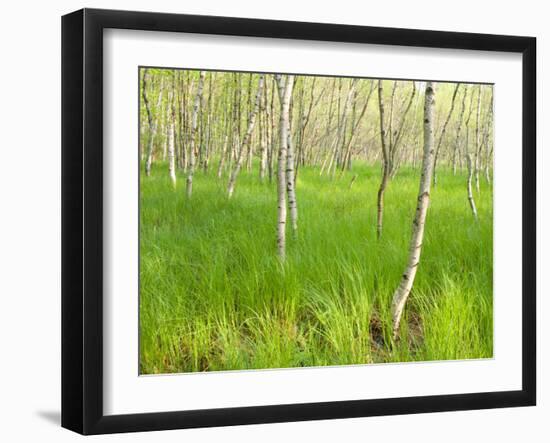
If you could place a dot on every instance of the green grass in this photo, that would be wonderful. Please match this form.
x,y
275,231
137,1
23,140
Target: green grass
x,y
214,295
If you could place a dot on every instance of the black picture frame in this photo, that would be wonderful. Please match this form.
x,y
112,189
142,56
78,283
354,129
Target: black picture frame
x,y
82,219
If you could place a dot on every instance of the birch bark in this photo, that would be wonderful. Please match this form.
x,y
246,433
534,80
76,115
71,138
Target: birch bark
x,y
354,127
285,92
476,165
402,293
487,141
150,120
469,161
335,160
471,200
192,148
385,162
442,135
171,143
457,138
245,145
263,125
222,157
171,154
291,185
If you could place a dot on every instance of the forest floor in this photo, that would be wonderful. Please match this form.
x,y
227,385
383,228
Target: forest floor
x,y
214,295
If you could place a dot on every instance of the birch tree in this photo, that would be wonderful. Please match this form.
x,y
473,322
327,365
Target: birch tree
x,y
304,121
341,129
328,125
390,144
192,147
407,280
443,131
456,146
385,162
291,185
471,200
245,145
171,142
469,161
478,144
487,141
222,157
150,119
285,93
264,134
354,127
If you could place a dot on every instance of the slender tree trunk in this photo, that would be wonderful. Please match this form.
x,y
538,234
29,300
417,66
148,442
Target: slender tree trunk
x,y
285,92
355,126
151,121
246,140
171,140
291,185
304,123
442,135
402,293
471,200
209,125
380,201
385,164
457,138
333,146
352,181
415,138
333,165
327,130
184,94
476,165
249,145
390,129
263,125
397,135
488,151
272,140
172,154
222,157
192,148
166,125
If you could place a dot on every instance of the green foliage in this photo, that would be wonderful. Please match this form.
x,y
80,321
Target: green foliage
x,y
214,295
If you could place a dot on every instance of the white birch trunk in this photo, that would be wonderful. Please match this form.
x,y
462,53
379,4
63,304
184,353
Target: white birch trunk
x,y
354,127
390,143
471,200
291,185
172,152
487,141
151,121
263,123
194,120
476,165
402,293
443,131
385,162
333,165
285,92
223,155
457,138
246,140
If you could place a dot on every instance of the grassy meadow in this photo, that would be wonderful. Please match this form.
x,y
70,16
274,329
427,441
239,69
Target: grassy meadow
x,y
214,295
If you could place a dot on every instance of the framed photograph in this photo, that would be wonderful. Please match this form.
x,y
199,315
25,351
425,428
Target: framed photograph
x,y
269,221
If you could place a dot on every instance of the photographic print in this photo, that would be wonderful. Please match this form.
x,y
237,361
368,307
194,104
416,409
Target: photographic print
x,y
292,221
